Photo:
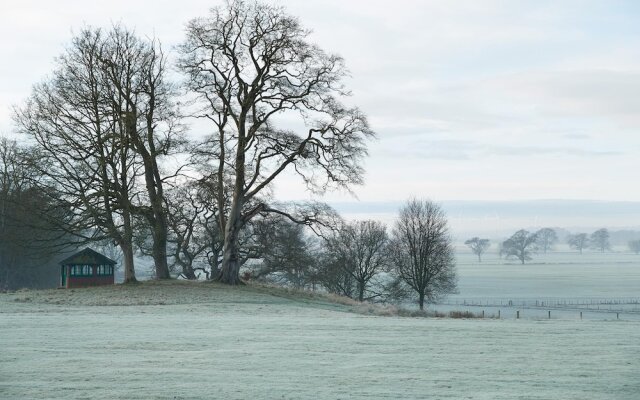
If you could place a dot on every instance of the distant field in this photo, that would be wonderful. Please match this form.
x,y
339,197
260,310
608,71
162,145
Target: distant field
x,y
595,283
563,274
199,341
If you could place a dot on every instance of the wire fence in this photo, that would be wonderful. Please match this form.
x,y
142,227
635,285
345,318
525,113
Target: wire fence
x,y
621,305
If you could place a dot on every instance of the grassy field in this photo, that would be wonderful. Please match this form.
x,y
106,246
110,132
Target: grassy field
x,y
200,341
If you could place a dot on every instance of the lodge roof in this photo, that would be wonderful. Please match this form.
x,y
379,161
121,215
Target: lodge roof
x,y
87,256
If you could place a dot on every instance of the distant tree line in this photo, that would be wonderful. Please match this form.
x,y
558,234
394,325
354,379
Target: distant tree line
x,y
523,245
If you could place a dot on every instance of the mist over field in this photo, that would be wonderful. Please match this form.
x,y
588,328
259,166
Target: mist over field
x,y
499,219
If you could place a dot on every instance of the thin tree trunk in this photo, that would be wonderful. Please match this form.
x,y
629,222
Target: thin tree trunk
x,y
126,244
421,301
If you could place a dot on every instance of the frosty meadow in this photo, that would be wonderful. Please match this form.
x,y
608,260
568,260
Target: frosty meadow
x,y
116,342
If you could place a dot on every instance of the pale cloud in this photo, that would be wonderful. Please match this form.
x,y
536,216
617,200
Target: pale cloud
x,y
470,99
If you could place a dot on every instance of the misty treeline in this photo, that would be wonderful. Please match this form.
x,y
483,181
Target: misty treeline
x,y
523,244
28,242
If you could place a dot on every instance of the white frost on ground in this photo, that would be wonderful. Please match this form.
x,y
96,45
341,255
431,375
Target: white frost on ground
x,y
247,345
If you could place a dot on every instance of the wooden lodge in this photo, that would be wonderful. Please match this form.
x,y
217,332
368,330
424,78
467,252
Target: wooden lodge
x,y
86,268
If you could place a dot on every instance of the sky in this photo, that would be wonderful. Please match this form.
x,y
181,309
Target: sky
x,y
472,101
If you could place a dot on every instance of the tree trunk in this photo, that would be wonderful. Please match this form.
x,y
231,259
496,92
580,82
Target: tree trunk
x,y
421,301
127,263
160,250
361,291
479,258
230,271
188,272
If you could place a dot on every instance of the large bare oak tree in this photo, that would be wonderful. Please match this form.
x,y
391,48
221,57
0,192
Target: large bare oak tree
x,y
251,66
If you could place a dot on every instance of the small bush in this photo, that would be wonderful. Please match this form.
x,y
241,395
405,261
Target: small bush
x,y
461,314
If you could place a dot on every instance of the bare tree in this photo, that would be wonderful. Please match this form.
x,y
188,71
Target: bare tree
x,y
285,251
360,249
478,246
136,84
520,245
103,121
422,252
547,238
333,277
579,241
81,135
600,240
247,63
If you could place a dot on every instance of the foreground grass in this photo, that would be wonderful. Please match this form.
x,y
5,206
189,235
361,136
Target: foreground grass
x,y
198,341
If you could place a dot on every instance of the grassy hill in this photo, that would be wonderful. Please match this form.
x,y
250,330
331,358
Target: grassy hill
x,y
176,292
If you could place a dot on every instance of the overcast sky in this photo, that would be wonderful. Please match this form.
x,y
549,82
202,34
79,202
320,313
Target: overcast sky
x,y
471,100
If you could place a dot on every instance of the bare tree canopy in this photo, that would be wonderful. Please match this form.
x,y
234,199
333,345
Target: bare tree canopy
x,y
248,63
578,241
478,246
547,238
422,252
521,245
600,240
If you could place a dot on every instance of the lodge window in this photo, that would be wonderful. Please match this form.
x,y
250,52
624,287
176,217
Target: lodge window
x,y
104,270
81,270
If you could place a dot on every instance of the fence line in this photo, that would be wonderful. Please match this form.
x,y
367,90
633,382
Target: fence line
x,y
628,304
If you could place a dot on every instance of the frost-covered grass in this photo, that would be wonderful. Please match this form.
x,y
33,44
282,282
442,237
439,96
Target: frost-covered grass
x,y
199,341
